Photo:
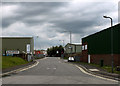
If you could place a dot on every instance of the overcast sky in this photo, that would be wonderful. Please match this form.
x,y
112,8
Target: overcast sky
x,y
49,20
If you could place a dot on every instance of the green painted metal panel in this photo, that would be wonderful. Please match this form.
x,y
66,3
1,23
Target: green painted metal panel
x,y
17,43
100,42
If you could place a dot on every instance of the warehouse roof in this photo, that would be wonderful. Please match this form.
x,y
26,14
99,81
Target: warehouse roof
x,y
101,31
77,43
73,44
16,37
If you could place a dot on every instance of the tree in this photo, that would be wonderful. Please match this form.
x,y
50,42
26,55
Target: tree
x,y
53,51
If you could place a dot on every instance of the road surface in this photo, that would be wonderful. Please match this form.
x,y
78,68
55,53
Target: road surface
x,y
53,70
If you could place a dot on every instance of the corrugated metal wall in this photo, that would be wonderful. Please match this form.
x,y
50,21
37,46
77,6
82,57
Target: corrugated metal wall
x,y
100,43
17,43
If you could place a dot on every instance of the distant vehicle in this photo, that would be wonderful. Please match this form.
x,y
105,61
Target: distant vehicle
x,y
71,59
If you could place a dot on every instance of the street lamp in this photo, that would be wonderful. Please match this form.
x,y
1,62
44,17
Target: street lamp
x,y
34,41
70,40
62,52
70,36
111,42
110,19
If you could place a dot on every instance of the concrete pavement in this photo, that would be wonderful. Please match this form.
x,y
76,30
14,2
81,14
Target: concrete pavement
x,y
98,71
52,70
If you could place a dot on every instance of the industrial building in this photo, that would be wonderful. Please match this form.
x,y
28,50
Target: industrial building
x,y
73,48
17,45
39,53
97,47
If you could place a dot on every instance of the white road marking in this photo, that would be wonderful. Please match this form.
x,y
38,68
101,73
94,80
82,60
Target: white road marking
x,y
94,75
93,69
51,68
28,67
20,70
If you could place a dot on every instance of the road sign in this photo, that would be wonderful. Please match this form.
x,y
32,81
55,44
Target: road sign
x,y
28,48
12,52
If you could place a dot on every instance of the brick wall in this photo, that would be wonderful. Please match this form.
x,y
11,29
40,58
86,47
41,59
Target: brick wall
x,y
106,58
98,57
84,56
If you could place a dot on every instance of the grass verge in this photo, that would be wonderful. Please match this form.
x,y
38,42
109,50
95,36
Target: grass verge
x,y
8,61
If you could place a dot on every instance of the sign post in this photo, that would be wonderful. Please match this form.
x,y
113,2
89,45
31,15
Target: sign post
x,y
88,58
28,48
28,52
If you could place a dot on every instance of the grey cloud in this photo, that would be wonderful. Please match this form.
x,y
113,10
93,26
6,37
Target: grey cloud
x,y
44,44
81,21
87,20
29,10
32,22
32,9
77,26
7,21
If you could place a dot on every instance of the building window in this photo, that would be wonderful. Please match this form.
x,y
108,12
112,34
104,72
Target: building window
x,y
85,47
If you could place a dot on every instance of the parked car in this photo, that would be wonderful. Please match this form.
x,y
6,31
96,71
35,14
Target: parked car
x,y
71,59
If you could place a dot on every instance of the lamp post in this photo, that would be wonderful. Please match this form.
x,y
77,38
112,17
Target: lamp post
x,y
70,40
70,36
62,52
112,64
34,41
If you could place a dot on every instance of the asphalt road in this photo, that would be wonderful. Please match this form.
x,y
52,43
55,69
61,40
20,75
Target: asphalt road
x,y
53,70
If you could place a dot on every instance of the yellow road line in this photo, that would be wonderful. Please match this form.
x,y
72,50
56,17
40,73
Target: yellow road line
x,y
94,75
21,69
